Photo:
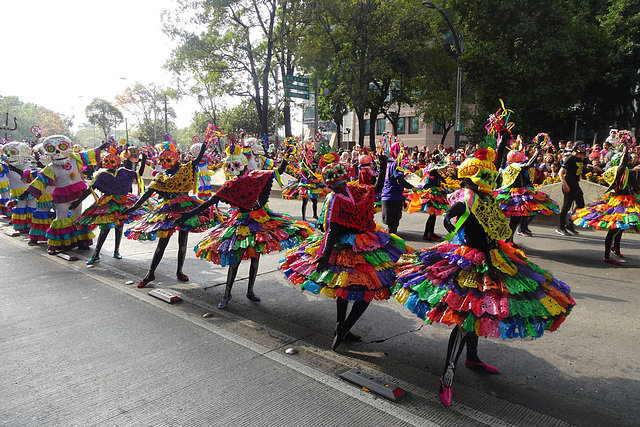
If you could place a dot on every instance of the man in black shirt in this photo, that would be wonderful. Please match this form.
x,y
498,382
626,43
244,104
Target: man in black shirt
x,y
570,174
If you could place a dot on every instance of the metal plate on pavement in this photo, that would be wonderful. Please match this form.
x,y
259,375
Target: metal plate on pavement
x,y
375,385
165,296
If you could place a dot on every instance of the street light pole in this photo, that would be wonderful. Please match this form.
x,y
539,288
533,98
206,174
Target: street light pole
x,y
458,42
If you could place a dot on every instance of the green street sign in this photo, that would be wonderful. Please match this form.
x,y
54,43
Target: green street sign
x,y
290,94
290,78
292,86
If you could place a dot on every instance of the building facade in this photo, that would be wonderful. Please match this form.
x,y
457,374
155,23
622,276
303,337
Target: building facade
x,y
412,131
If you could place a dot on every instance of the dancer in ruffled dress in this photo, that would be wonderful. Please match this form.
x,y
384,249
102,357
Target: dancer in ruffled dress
x,y
354,260
116,185
431,196
517,197
476,282
253,228
172,186
65,175
618,210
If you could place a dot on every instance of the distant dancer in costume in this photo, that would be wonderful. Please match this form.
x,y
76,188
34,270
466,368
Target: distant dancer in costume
x,y
172,186
431,196
354,260
618,210
393,189
476,282
116,185
22,205
253,228
517,197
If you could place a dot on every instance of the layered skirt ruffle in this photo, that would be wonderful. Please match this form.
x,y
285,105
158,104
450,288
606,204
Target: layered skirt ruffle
x,y
64,234
159,222
251,234
510,297
4,198
205,189
361,266
432,200
525,201
301,190
41,218
610,212
106,212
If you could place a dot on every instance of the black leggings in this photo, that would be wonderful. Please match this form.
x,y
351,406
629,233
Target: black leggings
x,y
613,236
429,227
457,341
358,309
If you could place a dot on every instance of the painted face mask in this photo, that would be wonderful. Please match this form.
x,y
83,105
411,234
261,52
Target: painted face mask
x,y
168,158
58,148
235,164
16,152
111,161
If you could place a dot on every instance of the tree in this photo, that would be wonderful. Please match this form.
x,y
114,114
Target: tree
x,y
353,36
104,115
536,55
245,117
615,97
147,105
237,36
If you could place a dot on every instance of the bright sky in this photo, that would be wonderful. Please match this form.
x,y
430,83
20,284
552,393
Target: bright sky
x,y
63,54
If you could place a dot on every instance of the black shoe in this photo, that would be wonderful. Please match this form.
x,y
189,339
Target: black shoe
x,y
571,228
561,231
352,337
253,297
339,336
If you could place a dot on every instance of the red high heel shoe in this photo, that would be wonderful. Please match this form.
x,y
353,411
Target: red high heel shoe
x,y
145,282
616,251
446,394
481,366
182,277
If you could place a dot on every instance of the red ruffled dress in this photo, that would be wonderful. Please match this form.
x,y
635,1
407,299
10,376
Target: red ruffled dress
x,y
253,228
363,259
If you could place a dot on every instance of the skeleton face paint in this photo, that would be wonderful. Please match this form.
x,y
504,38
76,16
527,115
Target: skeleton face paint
x,y
58,148
16,152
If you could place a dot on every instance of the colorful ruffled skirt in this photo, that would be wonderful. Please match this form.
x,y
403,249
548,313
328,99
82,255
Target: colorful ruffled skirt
x,y
510,297
431,200
361,266
159,222
251,234
205,189
42,218
22,216
4,198
525,201
64,234
299,190
106,212
612,211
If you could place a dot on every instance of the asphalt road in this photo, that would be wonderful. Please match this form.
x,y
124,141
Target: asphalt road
x,y
80,347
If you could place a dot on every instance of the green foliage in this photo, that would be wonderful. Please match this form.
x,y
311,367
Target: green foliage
x,y
244,117
28,115
104,115
536,55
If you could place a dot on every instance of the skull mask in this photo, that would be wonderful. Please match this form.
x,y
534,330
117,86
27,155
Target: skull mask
x,y
43,155
17,152
235,164
168,158
59,148
111,161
